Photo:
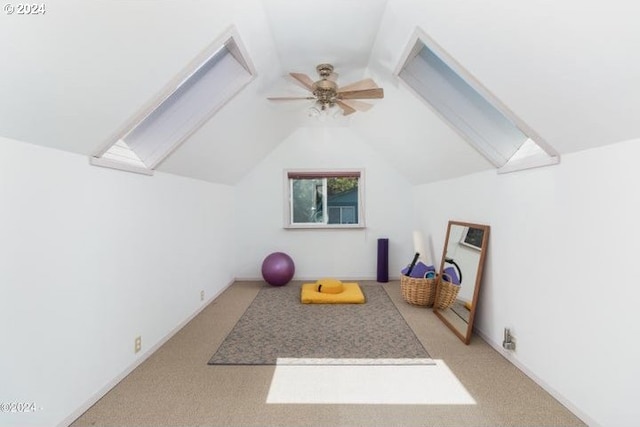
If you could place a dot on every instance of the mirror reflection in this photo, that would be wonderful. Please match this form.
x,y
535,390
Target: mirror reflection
x,y
460,276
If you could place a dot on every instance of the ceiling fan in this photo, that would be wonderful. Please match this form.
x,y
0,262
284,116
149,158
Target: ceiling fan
x,y
327,93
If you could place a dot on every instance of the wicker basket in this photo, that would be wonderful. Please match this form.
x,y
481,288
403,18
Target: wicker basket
x,y
418,291
447,294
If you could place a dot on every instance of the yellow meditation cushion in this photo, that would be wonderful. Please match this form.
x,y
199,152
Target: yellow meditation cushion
x,y
352,294
328,285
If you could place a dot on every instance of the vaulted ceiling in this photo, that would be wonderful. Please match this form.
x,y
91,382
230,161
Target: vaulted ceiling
x,y
70,79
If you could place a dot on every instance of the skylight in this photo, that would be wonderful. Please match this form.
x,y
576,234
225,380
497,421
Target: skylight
x,y
182,108
473,112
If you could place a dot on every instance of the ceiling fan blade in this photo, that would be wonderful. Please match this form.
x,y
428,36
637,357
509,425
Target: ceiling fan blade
x,y
376,93
304,79
346,109
360,85
289,98
358,105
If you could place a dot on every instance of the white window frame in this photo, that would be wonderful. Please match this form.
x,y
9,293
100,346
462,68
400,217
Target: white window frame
x,y
180,108
326,173
542,153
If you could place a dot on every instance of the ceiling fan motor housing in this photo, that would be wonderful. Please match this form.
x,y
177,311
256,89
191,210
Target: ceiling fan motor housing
x,y
324,89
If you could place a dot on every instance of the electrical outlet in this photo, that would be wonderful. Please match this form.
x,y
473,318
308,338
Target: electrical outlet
x,y
509,342
201,295
137,345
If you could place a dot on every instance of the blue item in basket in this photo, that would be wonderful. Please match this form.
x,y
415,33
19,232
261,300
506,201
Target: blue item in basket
x,y
420,270
453,275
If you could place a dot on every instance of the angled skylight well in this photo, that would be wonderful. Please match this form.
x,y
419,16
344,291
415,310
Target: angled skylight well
x,y
184,105
470,109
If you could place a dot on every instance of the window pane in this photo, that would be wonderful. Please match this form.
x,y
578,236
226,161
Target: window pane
x,y
465,108
348,215
342,200
334,215
307,200
342,215
181,109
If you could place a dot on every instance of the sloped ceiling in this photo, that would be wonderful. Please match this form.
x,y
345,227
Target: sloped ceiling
x,y
71,78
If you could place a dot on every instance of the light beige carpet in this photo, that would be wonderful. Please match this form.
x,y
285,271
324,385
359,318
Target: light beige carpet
x,y
176,387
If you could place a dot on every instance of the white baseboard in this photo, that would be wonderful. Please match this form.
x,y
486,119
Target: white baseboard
x,y
313,279
497,346
104,390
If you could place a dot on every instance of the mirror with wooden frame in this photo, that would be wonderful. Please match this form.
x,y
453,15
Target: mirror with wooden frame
x,y
460,275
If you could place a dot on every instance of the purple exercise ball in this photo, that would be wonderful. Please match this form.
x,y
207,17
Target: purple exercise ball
x,y
278,269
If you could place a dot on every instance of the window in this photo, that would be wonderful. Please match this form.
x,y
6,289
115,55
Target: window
x,y
470,109
329,199
182,108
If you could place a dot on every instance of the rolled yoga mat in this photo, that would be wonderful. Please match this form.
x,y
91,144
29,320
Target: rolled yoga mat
x,y
419,246
383,260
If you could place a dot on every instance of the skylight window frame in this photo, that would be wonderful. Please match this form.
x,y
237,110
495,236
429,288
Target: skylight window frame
x,y
229,40
420,39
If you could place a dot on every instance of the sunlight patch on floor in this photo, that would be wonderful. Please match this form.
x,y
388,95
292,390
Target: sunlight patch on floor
x,y
366,381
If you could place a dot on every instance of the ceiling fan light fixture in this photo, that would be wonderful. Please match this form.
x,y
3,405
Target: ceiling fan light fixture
x,y
335,111
313,112
322,110
332,100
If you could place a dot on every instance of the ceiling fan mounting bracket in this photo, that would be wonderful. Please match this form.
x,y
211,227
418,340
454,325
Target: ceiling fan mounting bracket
x,y
324,70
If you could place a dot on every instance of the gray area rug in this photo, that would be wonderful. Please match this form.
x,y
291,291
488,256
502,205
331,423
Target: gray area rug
x,y
277,324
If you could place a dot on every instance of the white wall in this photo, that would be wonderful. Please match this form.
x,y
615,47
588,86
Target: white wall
x,y
90,258
317,253
560,272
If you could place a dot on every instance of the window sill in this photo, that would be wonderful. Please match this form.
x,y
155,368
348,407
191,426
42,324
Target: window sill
x,y
324,227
